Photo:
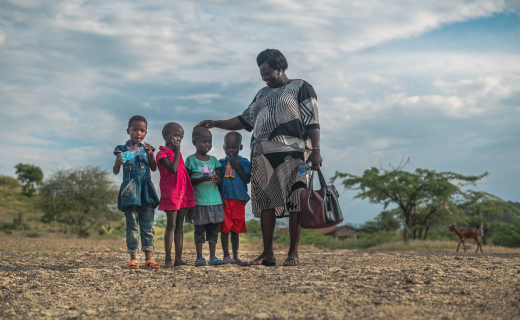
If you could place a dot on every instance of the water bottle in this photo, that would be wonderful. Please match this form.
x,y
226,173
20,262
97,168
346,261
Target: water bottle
x,y
304,168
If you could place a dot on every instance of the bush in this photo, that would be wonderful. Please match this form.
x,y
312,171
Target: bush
x,y
363,241
508,234
9,182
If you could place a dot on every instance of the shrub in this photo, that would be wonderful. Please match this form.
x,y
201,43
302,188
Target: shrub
x,y
508,234
9,182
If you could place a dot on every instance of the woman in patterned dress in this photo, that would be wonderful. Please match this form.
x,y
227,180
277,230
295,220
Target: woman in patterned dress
x,y
283,119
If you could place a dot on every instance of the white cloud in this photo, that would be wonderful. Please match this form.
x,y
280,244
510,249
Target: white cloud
x,y
73,72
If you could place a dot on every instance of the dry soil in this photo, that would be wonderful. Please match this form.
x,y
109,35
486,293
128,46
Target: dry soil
x,y
327,285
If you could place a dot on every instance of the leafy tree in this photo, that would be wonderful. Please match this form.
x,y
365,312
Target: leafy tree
x,y
406,189
386,220
485,211
81,197
31,176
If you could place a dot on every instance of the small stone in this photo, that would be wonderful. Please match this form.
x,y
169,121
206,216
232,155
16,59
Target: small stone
x,y
261,315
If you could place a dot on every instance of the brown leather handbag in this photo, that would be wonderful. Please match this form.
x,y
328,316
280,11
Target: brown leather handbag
x,y
319,209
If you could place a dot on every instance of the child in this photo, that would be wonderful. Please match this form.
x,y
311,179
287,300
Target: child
x,y
137,196
176,190
209,212
237,174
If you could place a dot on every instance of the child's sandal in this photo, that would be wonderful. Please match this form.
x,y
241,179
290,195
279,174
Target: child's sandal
x,y
133,264
151,264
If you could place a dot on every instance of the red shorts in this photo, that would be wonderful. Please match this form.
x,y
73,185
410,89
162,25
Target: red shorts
x,y
235,213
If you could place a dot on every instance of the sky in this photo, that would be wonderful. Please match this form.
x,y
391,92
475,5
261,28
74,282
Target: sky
x,y
437,81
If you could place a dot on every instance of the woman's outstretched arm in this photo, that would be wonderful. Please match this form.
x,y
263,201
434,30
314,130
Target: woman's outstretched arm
x,y
231,124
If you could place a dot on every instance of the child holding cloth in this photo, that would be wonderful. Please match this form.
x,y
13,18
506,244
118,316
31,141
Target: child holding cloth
x,y
176,191
204,172
236,175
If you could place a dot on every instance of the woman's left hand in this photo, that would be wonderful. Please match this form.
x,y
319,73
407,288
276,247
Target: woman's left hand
x,y
315,159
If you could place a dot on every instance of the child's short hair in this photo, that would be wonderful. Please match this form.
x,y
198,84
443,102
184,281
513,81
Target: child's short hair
x,y
137,118
233,135
171,126
199,132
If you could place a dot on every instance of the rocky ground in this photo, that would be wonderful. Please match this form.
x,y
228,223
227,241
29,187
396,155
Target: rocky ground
x,y
327,285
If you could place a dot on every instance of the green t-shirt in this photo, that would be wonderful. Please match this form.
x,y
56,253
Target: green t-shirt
x,y
206,193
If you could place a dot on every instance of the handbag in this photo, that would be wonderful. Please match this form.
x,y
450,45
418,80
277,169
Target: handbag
x,y
319,209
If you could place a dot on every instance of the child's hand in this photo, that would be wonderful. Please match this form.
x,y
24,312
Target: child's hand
x,y
175,145
216,178
233,161
148,148
119,160
207,177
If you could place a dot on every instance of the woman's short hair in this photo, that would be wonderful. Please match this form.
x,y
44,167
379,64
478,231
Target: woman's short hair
x,y
274,58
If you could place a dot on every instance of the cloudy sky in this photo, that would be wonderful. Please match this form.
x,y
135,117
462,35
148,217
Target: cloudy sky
x,y
437,81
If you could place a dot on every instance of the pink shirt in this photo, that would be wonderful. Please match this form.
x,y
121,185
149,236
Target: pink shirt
x,y
176,189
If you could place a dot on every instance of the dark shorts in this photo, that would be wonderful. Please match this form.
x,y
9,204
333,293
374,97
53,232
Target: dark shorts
x,y
211,231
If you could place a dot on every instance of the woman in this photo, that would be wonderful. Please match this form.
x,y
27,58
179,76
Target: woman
x,y
283,119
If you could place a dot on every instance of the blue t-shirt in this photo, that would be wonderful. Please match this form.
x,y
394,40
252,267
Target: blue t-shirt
x,y
233,186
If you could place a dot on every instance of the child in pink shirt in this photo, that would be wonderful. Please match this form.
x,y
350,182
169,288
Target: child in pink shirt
x,y
176,190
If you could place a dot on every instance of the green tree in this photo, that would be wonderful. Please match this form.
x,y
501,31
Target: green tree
x,y
386,221
81,197
406,189
31,176
485,211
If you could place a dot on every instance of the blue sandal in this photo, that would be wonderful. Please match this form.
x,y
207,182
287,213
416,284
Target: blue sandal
x,y
201,262
214,261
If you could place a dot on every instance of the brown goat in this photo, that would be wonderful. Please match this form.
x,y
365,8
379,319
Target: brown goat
x,y
466,234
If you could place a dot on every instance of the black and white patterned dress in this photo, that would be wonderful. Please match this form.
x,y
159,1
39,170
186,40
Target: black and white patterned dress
x,y
279,120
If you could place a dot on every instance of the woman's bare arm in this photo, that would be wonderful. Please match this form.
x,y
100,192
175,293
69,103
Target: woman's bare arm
x,y
230,124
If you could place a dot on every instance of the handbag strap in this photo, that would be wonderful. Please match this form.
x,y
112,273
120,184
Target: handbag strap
x,y
321,178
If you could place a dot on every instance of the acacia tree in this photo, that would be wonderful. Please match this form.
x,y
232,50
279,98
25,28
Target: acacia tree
x,y
406,189
75,196
31,176
484,211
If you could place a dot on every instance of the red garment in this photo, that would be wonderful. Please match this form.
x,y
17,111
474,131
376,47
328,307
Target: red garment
x,y
235,213
176,189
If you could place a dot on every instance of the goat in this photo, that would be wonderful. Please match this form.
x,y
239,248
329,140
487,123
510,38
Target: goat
x,y
466,234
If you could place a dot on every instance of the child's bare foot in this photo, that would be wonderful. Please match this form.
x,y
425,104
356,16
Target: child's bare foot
x,y
179,263
168,264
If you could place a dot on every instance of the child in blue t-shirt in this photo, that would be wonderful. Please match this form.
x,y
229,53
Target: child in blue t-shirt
x,y
137,196
236,171
204,173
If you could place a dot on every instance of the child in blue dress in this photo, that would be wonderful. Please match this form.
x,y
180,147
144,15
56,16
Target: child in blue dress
x,y
204,173
137,196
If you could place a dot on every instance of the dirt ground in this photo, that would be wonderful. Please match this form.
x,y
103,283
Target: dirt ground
x,y
95,284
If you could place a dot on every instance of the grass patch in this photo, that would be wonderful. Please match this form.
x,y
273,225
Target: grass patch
x,y
34,234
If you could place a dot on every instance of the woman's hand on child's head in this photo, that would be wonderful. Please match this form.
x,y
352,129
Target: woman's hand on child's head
x,y
148,148
206,123
119,160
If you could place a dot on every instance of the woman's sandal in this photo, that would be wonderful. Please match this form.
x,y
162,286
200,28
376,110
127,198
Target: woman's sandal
x,y
285,264
264,263
133,264
151,264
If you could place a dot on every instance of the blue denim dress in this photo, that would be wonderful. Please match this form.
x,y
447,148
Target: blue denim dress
x,y
137,188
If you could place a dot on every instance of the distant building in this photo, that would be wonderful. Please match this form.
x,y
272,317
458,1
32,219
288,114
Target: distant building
x,y
339,232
